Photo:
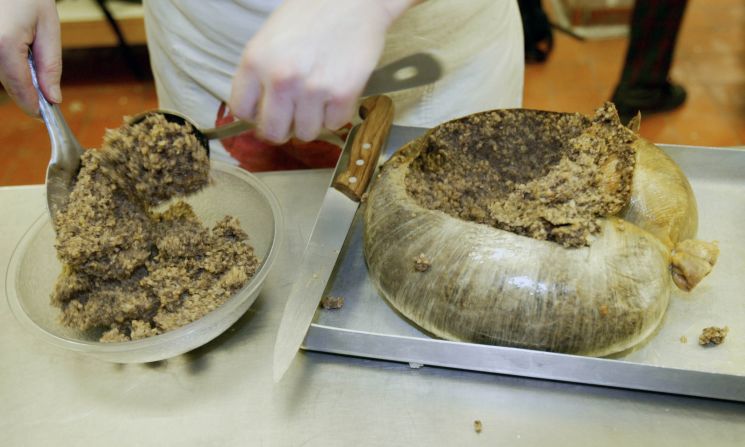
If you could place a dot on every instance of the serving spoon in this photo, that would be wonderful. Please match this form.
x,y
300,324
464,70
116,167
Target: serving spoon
x,y
64,163
410,71
217,133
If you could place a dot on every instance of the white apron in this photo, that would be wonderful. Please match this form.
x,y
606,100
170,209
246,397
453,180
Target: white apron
x,y
195,46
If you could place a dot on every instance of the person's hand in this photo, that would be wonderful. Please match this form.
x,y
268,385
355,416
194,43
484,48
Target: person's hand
x,y
24,25
306,67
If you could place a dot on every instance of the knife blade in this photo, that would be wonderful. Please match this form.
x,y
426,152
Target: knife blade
x,y
351,177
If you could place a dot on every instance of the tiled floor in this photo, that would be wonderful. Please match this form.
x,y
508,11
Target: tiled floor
x,y
710,62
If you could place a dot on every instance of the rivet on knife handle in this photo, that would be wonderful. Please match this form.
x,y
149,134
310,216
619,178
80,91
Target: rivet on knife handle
x,y
371,137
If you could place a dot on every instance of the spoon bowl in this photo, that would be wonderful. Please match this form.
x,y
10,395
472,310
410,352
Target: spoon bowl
x,y
175,117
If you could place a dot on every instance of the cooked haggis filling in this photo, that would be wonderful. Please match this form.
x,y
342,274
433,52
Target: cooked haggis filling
x,y
549,177
128,269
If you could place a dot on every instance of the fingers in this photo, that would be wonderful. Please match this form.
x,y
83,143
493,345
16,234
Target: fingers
x,y
270,104
245,92
309,114
339,110
276,109
30,25
286,106
297,94
48,55
288,109
15,75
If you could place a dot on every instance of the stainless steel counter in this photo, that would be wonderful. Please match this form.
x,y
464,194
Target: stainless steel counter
x,y
222,394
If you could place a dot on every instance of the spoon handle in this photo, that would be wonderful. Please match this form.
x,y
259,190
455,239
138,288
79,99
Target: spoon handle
x,y
240,126
228,130
66,150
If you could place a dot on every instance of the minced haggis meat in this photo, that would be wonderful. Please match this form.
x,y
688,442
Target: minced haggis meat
x,y
548,177
332,302
129,270
713,336
422,263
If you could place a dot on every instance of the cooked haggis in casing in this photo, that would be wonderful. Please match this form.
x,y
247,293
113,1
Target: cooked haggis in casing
x,y
128,269
541,230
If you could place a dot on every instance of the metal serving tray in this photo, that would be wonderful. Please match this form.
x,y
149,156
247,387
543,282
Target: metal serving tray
x,y
367,326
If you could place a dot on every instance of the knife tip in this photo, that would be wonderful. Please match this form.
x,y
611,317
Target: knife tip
x,y
278,370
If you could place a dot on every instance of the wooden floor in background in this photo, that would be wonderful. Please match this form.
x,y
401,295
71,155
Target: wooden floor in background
x,y
99,89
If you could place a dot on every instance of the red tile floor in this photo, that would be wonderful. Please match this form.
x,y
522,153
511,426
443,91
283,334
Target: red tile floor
x,y
99,89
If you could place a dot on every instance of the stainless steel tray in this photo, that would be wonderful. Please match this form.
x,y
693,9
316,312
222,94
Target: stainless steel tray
x,y
368,326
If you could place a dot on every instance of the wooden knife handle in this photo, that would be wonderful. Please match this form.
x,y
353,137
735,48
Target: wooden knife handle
x,y
369,141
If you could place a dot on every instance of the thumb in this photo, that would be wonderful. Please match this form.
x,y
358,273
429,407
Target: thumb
x,y
48,54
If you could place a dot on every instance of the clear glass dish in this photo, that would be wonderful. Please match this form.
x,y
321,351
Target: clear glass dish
x,y
33,270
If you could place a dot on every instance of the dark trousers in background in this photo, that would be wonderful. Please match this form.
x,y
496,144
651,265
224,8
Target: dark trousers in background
x,y
645,85
653,34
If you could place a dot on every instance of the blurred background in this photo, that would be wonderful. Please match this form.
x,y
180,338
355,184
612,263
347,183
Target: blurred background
x,y
107,76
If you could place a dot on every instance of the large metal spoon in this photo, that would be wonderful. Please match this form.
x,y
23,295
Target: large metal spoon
x,y
217,133
411,71
66,151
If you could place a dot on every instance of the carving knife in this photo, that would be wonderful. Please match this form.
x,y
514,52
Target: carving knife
x,y
353,172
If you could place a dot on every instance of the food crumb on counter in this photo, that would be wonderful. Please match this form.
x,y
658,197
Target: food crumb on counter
x,y
477,426
712,336
363,198
683,339
422,263
332,302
